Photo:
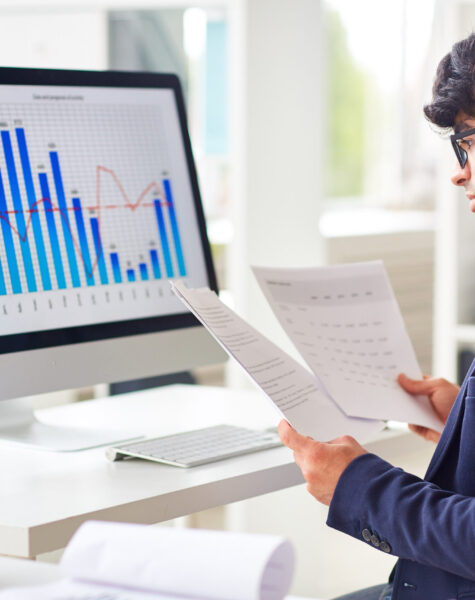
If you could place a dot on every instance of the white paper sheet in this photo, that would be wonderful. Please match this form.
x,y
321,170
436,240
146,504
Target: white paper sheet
x,y
293,390
345,322
119,561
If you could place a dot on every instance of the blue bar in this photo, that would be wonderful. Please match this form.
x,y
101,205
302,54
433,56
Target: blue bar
x,y
163,237
116,267
65,222
3,289
130,275
86,257
155,265
19,212
101,263
8,241
53,234
34,209
143,271
174,224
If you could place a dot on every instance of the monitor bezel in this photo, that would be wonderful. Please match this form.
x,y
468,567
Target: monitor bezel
x,y
118,329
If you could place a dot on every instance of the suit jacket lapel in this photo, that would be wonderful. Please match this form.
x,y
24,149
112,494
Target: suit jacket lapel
x,y
451,427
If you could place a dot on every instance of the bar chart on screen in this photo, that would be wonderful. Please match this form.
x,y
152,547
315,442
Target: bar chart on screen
x,y
88,212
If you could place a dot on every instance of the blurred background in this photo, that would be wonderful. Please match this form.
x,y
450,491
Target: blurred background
x,y
307,128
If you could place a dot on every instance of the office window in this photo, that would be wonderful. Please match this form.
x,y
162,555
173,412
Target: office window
x,y
216,88
379,66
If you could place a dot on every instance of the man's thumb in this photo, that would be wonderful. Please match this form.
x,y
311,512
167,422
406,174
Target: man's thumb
x,y
414,386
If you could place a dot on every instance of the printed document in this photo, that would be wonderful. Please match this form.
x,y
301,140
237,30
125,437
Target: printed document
x,y
345,322
294,391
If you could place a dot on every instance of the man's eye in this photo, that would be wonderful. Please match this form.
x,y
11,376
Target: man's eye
x,y
466,143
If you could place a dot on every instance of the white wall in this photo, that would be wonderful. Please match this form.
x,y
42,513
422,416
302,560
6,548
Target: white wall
x,y
68,40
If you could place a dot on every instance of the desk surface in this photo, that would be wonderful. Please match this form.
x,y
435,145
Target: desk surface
x,y
45,496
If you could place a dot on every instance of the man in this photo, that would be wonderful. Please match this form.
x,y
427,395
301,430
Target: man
x,y
430,523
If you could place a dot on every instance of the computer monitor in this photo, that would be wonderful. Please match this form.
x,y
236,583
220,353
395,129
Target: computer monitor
x,y
99,210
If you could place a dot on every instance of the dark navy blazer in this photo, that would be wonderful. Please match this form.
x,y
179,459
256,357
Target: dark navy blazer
x,y
430,523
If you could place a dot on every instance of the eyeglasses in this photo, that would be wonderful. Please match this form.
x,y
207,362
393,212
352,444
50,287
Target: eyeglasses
x,y
457,139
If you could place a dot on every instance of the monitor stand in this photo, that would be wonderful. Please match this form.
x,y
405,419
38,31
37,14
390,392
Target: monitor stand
x,y
19,425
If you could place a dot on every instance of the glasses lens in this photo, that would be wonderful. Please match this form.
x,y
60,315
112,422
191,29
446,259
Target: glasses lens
x,y
462,143
461,154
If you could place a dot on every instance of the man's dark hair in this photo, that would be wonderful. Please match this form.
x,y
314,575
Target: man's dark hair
x,y
454,85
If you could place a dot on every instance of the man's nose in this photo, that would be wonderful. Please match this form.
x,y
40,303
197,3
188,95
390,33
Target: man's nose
x,y
460,175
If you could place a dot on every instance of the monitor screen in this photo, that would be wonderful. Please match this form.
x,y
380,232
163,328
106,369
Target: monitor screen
x,y
99,207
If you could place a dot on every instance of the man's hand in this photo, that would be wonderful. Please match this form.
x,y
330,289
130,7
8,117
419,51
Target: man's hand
x,y
321,463
442,395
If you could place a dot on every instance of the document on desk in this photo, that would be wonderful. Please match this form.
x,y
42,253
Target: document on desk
x,y
121,561
295,392
346,323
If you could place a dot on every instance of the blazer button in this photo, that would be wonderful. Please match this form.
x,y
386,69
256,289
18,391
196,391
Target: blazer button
x,y
375,540
366,533
409,586
385,547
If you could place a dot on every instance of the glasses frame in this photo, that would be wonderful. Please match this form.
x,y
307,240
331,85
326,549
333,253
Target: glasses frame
x,y
460,153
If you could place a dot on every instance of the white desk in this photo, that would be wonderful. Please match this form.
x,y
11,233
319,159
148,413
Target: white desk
x,y
45,496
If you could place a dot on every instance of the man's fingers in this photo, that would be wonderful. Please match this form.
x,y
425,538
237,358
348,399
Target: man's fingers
x,y
416,386
425,432
419,429
291,438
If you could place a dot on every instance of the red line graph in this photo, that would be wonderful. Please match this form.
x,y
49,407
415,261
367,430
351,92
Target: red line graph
x,y
98,208
73,209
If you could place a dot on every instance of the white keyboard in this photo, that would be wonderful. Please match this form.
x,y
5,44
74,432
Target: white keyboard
x,y
193,448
